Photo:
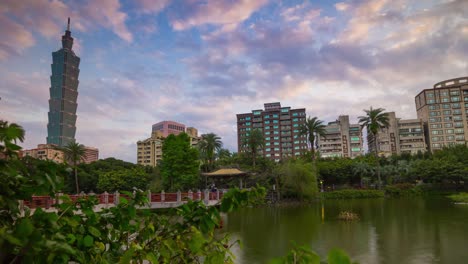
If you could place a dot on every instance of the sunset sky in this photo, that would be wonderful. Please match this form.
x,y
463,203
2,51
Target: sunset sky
x,y
202,62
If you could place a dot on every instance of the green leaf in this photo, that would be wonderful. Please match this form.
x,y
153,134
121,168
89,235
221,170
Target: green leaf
x,y
196,242
24,228
127,257
152,258
94,231
71,238
88,241
337,256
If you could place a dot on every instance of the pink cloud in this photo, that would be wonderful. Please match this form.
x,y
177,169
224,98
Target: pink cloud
x,y
228,14
15,38
150,6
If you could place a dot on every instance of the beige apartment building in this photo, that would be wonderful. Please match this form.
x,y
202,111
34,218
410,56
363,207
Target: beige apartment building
x,y
401,136
149,151
342,139
444,111
90,155
45,152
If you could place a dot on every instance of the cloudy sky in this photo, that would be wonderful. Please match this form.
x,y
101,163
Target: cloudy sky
x,y
201,62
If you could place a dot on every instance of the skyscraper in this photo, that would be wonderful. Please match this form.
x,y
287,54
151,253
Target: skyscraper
x,y
63,93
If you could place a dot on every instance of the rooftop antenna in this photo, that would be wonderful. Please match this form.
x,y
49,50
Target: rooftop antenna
x,y
68,26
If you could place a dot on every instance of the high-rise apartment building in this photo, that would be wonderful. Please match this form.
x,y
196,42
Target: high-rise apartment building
x,y
63,93
169,127
411,136
401,136
444,111
341,139
280,128
149,151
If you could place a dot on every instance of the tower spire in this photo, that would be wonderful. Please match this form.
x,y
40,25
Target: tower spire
x,y
68,25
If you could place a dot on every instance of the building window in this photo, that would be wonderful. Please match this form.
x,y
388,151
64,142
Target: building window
x,y
456,105
457,112
430,101
267,144
267,122
447,112
433,107
436,125
275,115
354,138
257,112
450,138
454,93
284,110
267,116
430,95
455,98
449,131
446,106
355,149
437,132
275,121
434,119
295,114
247,118
434,113
444,93
247,123
447,125
445,100
267,127
436,145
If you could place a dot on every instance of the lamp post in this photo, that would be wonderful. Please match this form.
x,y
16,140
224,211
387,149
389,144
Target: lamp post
x,y
321,185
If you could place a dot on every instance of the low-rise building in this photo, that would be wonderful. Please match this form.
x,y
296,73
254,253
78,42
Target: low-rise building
x,y
45,152
91,155
149,151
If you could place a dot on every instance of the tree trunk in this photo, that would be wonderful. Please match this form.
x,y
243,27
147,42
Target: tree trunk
x,y
379,184
76,180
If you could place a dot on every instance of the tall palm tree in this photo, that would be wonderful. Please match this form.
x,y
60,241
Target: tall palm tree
x,y
312,128
74,153
374,121
255,142
209,145
9,135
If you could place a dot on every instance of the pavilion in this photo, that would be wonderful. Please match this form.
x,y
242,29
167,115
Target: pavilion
x,y
223,175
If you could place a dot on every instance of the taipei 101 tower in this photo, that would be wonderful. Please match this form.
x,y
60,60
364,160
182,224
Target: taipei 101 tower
x,y
63,93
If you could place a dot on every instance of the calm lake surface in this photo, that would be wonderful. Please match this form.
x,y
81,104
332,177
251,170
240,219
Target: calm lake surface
x,y
389,231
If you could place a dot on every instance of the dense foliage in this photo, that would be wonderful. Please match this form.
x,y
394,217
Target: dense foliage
x,y
298,179
179,164
119,234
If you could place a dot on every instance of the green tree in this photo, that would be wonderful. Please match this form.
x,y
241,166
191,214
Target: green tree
x,y
123,180
312,128
298,179
180,163
374,121
9,135
255,142
209,145
74,153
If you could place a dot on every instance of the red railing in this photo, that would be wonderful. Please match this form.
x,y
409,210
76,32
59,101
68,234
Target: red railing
x,y
47,201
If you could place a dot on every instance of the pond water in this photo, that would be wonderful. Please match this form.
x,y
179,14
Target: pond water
x,y
389,230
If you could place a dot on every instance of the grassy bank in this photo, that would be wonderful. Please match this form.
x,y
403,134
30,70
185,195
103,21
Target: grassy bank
x,y
459,197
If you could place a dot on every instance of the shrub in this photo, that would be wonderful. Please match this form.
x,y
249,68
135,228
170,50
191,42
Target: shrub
x,y
403,190
353,194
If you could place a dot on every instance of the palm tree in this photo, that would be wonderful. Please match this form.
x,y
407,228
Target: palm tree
x,y
9,135
74,153
209,145
312,128
255,142
374,120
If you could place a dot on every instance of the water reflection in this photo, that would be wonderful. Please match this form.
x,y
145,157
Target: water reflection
x,y
389,231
